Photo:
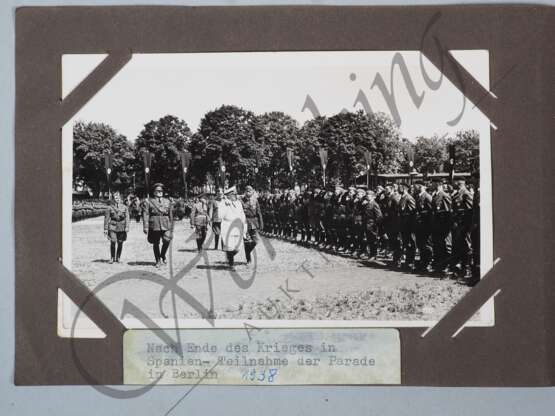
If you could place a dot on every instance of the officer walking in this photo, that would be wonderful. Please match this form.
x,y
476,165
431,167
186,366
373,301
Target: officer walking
x,y
200,219
215,217
253,216
116,226
158,223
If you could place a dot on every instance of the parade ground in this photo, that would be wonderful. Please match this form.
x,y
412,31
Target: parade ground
x,y
286,280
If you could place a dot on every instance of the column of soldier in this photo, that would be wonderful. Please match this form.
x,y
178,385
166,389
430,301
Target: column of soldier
x,y
420,228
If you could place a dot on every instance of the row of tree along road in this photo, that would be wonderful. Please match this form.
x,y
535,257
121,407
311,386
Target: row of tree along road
x,y
254,148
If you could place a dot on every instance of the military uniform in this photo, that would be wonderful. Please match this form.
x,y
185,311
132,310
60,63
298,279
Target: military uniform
x,y
158,224
407,210
358,231
199,220
313,214
255,222
462,227
116,225
423,228
216,220
391,224
441,225
372,220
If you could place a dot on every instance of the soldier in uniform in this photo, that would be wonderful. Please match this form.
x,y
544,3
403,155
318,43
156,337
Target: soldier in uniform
x,y
290,221
329,218
358,230
350,233
340,218
214,216
462,204
407,210
321,229
283,214
313,214
253,216
423,226
158,223
441,225
116,226
301,217
372,220
199,220
391,221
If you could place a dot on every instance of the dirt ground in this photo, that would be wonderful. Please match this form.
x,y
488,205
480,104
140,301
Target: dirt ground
x,y
287,281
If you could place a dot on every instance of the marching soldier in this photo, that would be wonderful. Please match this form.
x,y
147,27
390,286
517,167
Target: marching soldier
x,y
158,223
441,225
116,226
407,210
199,220
423,226
253,216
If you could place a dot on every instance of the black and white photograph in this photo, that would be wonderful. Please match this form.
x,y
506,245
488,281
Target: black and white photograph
x,y
277,189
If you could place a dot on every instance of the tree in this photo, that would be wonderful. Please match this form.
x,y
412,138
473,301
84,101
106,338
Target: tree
x,y
348,135
165,139
467,151
309,143
226,132
274,132
90,142
430,154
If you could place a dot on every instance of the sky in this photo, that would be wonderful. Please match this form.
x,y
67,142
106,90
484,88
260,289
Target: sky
x,y
188,85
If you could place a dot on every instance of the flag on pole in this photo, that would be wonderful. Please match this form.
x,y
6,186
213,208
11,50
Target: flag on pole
x,y
290,159
108,160
323,158
185,158
147,161
410,157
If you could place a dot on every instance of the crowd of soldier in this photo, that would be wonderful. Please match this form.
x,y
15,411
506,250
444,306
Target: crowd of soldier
x,y
410,227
